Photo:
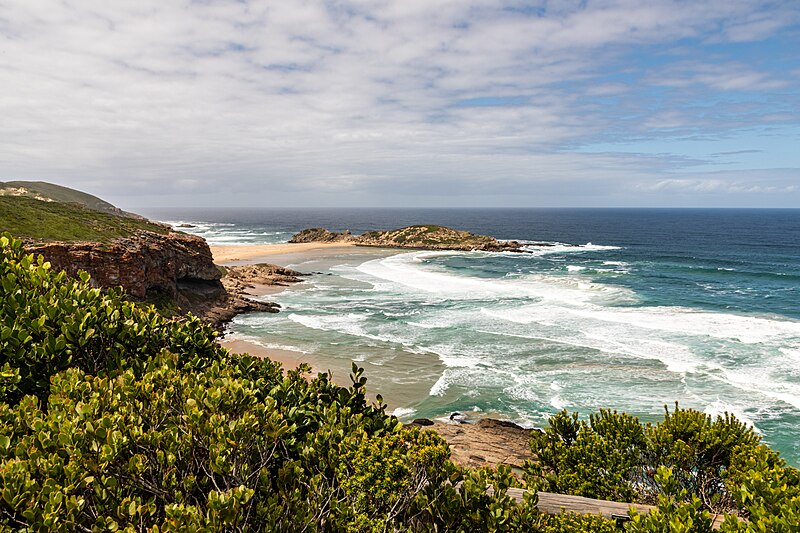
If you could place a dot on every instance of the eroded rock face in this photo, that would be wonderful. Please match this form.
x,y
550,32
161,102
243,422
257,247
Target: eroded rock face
x,y
144,264
176,266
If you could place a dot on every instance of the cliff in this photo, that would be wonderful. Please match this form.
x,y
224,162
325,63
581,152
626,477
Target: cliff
x,y
420,237
146,264
76,231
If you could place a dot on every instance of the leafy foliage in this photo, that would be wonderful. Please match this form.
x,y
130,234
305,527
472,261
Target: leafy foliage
x,y
692,466
114,418
593,459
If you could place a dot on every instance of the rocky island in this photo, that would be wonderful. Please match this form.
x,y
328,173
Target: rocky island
x,y
419,237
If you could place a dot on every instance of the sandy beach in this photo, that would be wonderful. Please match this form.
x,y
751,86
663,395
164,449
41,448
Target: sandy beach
x,y
248,253
288,358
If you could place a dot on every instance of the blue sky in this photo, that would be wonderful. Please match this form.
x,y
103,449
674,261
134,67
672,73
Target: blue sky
x,y
405,103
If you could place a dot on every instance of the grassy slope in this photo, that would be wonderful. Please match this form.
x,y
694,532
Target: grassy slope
x,y
58,193
52,221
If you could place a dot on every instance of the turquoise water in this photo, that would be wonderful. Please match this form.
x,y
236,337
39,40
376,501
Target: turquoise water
x,y
624,309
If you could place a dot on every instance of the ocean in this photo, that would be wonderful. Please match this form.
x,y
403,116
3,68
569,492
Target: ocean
x,y
622,308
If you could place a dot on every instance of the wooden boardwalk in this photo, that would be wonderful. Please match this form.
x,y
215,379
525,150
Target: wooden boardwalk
x,y
552,503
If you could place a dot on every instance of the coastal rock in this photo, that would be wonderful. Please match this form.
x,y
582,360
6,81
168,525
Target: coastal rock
x,y
420,237
76,231
488,442
238,282
176,269
320,235
260,274
145,264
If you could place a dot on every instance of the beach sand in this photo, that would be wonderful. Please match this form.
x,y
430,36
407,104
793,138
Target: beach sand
x,y
288,358
250,253
306,257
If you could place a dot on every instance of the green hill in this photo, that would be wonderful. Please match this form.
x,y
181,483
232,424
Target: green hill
x,y
50,192
40,220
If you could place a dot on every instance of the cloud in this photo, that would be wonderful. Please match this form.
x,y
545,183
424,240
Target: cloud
x,y
185,101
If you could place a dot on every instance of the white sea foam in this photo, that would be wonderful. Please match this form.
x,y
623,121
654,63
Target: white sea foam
x,y
557,402
441,385
403,412
422,306
349,323
719,408
575,268
404,271
539,249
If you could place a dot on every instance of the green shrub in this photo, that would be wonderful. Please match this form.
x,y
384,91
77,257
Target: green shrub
x,y
597,459
690,465
50,322
115,418
699,452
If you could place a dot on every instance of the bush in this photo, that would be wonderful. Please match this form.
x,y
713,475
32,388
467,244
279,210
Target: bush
x,y
690,465
597,459
50,322
115,418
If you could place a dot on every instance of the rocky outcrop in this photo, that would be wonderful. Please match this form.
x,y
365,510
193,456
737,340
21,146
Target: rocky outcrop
x,y
145,264
421,237
321,235
173,270
488,442
243,282
247,276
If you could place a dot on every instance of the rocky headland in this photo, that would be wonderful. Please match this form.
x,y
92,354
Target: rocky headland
x,y
419,237
153,263
175,271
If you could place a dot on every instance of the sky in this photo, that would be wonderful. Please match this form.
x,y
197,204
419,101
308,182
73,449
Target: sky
x,y
407,103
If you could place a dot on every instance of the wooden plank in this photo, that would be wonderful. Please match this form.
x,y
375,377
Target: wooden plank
x,y
553,503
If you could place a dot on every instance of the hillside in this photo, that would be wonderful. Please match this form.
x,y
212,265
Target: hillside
x,y
171,269
40,220
149,260
424,236
50,192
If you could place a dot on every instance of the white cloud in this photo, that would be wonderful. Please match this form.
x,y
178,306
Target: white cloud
x,y
225,98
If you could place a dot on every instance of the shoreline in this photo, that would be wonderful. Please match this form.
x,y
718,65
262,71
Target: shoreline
x,y
248,253
483,442
290,359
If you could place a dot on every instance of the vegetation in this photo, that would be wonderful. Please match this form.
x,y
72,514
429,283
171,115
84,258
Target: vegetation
x,y
54,221
427,235
41,190
692,466
114,418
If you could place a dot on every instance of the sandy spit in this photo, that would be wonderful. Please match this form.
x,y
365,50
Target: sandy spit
x,y
248,252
